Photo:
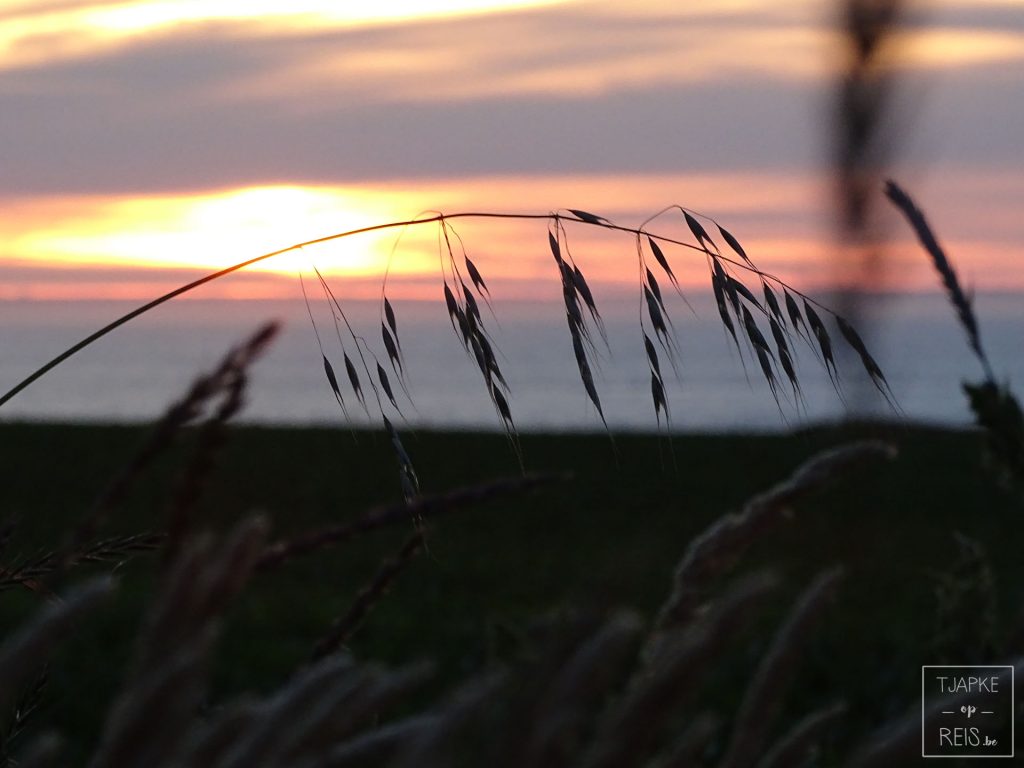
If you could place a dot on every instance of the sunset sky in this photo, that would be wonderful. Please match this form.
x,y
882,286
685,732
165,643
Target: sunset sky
x,y
144,143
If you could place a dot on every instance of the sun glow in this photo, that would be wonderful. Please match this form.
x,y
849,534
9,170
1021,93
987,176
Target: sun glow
x,y
135,17
212,231
112,246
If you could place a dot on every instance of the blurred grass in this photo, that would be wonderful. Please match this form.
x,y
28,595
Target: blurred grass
x,y
608,538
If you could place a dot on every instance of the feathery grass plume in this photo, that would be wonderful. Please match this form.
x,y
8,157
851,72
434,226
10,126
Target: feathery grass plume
x,y
729,286
824,342
462,296
381,745
22,654
779,334
391,347
797,745
995,407
699,232
310,718
589,218
581,682
659,256
181,413
212,738
772,302
476,277
788,368
764,354
149,722
579,332
723,290
389,336
389,315
660,401
763,699
270,722
652,356
407,473
561,704
957,297
735,286
338,316
720,545
764,360
718,289
652,285
472,308
329,713
586,376
431,746
660,320
468,323
221,381
583,291
338,313
785,357
626,735
202,582
556,249
332,379
456,315
658,395
735,245
353,379
385,383
870,366
795,318
576,289
687,750
210,441
654,312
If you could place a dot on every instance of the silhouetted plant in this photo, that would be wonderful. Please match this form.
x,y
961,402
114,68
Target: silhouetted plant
x,y
996,409
749,303
590,691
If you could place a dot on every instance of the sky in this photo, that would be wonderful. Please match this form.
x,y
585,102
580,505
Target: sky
x,y
143,143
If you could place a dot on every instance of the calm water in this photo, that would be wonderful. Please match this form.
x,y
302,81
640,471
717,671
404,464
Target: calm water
x,y
133,374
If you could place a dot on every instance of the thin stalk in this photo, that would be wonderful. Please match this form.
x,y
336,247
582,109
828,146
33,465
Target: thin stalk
x,y
97,335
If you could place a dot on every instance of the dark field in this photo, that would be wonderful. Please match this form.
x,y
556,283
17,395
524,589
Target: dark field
x,y
607,538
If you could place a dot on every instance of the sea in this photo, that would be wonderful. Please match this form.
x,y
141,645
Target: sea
x,y
134,373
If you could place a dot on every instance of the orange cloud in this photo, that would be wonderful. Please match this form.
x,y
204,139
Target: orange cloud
x,y
782,219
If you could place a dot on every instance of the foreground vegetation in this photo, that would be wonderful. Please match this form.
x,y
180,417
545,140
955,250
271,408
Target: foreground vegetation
x,y
609,611
915,589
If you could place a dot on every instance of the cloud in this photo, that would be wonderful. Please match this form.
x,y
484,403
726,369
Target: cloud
x,y
579,88
82,246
